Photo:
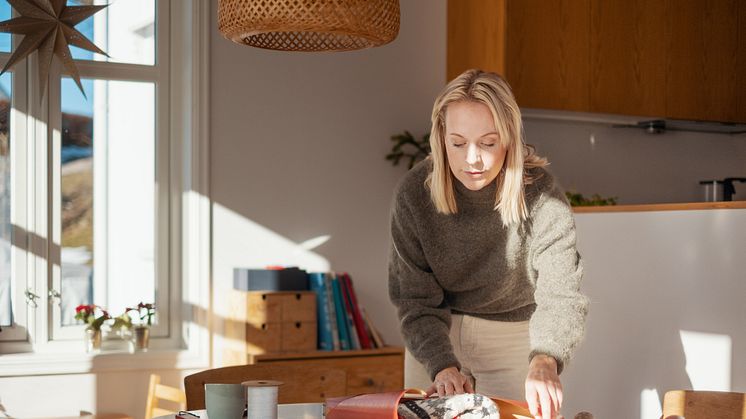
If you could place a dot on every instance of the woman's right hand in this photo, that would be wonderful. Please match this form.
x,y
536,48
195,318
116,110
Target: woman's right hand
x,y
450,381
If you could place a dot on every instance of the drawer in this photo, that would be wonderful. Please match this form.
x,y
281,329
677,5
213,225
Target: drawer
x,y
375,376
280,307
263,338
298,336
299,307
365,373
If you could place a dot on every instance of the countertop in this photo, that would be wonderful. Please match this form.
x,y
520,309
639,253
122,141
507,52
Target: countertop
x,y
662,207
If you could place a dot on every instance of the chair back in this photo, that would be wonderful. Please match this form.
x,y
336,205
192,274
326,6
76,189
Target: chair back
x,y
301,383
158,392
704,404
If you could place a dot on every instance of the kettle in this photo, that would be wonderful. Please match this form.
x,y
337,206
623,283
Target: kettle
x,y
720,190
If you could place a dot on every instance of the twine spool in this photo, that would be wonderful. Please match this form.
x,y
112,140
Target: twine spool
x,y
261,396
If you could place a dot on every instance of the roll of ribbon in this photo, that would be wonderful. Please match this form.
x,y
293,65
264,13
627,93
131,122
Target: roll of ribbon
x,y
261,396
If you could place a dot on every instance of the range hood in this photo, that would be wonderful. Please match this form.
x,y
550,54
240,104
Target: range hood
x,y
659,126
649,125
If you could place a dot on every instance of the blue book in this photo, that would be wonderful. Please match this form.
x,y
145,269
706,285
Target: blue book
x,y
332,312
339,307
318,284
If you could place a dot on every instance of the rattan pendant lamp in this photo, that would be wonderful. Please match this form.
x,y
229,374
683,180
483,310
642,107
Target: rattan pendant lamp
x,y
309,25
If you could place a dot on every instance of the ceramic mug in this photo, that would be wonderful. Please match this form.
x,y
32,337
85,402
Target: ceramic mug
x,y
225,401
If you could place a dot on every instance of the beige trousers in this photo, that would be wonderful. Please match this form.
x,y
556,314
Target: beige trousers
x,y
493,354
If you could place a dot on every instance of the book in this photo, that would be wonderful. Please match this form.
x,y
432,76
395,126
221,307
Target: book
x,y
377,339
317,281
354,339
332,311
362,332
339,308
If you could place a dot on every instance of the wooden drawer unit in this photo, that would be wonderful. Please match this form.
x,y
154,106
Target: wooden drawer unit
x,y
269,322
368,371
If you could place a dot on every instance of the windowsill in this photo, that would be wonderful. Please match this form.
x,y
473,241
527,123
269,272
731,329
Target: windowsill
x,y
105,361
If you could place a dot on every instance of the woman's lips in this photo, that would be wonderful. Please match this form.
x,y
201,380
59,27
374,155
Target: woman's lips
x,y
474,174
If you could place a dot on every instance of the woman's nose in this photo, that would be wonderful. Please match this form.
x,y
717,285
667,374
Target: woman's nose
x,y
472,154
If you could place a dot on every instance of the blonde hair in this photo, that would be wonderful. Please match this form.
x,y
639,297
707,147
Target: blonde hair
x,y
491,90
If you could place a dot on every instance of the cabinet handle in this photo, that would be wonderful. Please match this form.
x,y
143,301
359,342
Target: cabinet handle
x,y
370,382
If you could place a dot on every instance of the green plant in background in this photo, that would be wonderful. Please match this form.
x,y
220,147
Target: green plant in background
x,y
578,200
406,146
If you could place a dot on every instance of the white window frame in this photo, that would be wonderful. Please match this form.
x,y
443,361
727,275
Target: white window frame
x,y
38,347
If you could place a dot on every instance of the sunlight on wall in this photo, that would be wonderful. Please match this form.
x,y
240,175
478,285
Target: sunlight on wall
x,y
708,360
242,243
249,245
650,404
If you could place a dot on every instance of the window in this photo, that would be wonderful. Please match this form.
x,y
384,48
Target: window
x,y
96,189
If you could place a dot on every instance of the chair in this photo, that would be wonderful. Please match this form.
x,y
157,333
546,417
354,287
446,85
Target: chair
x,y
704,404
301,383
158,392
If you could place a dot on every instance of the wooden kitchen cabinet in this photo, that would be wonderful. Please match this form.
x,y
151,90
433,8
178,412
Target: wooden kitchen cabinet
x,y
702,57
661,58
547,53
368,371
628,66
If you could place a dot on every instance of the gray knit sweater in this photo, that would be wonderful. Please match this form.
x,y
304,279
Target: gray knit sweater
x,y
469,263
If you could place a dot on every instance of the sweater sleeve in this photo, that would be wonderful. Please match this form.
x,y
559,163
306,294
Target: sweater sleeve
x,y
423,314
558,324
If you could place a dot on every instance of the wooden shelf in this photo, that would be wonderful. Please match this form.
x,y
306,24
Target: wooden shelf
x,y
662,207
389,350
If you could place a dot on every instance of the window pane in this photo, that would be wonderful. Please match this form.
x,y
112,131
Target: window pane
x,y
4,15
125,30
77,199
6,316
114,131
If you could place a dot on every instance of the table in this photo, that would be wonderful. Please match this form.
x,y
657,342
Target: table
x,y
284,411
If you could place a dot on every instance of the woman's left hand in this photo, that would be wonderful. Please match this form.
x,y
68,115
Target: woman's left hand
x,y
543,388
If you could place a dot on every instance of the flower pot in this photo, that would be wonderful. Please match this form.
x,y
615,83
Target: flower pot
x,y
92,340
142,338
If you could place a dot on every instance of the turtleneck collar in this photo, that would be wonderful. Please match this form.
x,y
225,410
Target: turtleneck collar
x,y
484,195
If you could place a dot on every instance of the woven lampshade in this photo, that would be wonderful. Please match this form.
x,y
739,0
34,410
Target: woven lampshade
x,y
309,25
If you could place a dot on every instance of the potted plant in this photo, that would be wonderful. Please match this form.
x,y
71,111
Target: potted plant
x,y
146,312
122,327
94,316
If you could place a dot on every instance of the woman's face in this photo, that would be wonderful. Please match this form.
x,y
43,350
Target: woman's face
x,y
475,152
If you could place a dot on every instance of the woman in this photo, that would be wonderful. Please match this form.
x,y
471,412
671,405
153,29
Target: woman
x,y
484,271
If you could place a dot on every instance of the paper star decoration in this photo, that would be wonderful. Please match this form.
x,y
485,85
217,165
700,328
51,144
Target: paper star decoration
x,y
48,25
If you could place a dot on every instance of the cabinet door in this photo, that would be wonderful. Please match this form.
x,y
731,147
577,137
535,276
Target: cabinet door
x,y
702,42
476,36
628,57
547,59
740,87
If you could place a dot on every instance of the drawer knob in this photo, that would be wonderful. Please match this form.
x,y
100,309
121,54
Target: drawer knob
x,y
369,382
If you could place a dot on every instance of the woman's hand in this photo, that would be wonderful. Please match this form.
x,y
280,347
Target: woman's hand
x,y
543,387
450,381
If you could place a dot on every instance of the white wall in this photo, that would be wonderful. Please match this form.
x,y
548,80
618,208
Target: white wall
x,y
634,166
298,143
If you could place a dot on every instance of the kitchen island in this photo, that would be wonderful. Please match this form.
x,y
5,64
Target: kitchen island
x,y
667,284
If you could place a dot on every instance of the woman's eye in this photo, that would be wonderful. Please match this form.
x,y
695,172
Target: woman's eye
x,y
458,144
488,144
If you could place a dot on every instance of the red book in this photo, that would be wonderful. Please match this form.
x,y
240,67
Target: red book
x,y
356,316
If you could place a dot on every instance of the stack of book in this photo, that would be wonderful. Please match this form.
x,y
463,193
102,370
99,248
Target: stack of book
x,y
342,323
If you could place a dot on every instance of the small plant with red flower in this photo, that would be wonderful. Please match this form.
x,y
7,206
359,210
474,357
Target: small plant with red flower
x,y
92,315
